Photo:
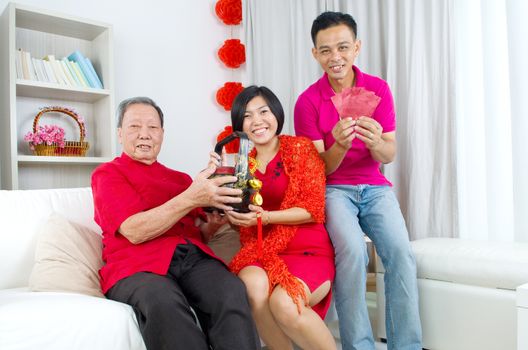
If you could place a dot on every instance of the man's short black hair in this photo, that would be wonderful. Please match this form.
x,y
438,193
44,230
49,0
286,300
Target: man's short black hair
x,y
330,19
238,110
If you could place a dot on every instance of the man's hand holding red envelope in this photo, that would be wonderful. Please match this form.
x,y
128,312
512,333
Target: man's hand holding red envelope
x,y
355,107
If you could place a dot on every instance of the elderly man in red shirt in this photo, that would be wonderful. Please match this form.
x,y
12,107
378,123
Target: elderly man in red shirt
x,y
154,236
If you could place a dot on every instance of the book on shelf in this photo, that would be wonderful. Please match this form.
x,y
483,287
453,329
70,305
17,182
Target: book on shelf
x,y
92,69
38,70
25,69
66,72
18,64
40,63
69,67
49,71
27,65
74,70
57,69
79,74
90,74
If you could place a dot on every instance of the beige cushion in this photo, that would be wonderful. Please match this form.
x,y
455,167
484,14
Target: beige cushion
x,y
67,258
225,243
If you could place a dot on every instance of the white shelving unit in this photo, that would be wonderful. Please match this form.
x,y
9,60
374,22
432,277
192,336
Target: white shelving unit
x,y
42,33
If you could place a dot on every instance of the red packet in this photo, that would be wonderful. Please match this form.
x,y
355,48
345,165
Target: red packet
x,y
355,102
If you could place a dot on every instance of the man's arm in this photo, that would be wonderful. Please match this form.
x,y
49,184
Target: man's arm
x,y
203,192
382,146
331,157
343,133
385,151
305,118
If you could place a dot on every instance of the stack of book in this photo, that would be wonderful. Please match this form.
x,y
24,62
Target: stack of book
x,y
74,70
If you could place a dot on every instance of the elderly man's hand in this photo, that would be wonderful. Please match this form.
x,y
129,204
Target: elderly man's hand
x,y
205,192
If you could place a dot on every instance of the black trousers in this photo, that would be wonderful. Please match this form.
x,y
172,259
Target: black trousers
x,y
162,305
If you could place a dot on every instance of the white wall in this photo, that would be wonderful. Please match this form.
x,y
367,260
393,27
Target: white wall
x,y
166,50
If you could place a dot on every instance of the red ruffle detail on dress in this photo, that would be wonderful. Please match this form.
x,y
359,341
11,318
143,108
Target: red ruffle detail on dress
x,y
306,189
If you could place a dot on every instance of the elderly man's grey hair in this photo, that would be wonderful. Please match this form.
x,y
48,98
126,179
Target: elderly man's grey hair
x,y
121,109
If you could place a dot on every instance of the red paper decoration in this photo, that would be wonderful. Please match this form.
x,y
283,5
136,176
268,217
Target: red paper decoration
x,y
229,11
227,93
231,147
232,53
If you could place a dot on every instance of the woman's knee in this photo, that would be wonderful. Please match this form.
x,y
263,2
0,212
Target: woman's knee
x,y
257,284
284,309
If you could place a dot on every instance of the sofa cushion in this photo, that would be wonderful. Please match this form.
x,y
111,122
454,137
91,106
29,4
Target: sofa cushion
x,y
23,213
67,258
225,243
64,321
478,263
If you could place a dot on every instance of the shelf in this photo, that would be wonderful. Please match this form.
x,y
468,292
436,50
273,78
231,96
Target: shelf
x,y
62,160
41,32
49,22
39,89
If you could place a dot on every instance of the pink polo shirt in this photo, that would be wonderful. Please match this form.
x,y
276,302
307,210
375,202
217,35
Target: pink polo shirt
x,y
315,116
124,187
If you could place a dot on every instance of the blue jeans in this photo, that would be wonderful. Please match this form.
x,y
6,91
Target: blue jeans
x,y
351,212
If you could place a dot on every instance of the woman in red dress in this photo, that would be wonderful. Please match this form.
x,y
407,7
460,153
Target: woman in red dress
x,y
289,278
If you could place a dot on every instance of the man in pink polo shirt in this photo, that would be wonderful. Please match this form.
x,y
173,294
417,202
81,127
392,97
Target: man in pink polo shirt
x,y
359,199
154,249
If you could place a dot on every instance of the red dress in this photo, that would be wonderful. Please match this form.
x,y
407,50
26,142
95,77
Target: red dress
x,y
309,255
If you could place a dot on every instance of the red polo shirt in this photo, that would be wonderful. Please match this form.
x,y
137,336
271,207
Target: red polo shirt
x,y
124,187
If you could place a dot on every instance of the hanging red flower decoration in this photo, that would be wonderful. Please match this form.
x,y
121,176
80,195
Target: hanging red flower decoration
x,y
232,53
229,11
231,147
227,93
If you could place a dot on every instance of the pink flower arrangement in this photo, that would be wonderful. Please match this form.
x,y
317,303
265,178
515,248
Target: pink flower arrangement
x,y
47,134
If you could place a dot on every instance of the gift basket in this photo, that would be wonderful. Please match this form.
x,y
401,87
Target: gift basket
x,y
249,185
48,140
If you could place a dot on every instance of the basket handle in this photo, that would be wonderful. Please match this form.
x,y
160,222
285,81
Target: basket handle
x,y
61,110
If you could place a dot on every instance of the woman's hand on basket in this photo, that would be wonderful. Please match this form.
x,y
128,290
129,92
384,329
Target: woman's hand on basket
x,y
216,159
244,219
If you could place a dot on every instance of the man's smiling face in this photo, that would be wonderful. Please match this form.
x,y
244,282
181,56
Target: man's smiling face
x,y
141,133
336,49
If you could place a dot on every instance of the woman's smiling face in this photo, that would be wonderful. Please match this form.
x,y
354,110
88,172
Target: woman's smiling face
x,y
260,124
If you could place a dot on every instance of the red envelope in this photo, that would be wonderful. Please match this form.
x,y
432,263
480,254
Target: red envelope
x,y
355,102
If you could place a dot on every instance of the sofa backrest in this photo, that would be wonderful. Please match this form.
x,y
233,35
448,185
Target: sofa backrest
x,y
22,212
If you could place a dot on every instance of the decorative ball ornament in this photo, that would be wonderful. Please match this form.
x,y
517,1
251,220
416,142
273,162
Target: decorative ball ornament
x,y
229,11
227,93
232,53
231,147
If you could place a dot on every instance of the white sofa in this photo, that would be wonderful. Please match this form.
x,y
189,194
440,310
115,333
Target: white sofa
x,y
53,320
467,293
522,317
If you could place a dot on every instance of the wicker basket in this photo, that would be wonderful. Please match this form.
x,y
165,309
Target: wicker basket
x,y
71,148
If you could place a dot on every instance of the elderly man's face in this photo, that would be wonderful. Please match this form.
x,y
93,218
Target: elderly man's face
x,y
141,133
